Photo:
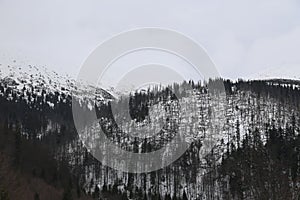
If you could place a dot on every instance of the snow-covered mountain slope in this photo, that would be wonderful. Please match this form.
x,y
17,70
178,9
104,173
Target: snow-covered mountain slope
x,y
219,115
226,119
40,79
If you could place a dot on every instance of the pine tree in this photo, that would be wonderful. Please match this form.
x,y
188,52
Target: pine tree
x,y
96,193
4,195
124,196
238,135
67,195
36,196
17,156
184,197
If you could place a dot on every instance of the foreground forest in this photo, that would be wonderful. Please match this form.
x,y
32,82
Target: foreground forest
x,y
255,126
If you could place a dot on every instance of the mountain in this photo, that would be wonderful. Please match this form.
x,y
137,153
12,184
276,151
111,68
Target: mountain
x,y
244,141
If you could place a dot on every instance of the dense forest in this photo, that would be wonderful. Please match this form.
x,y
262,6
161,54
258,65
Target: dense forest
x,y
255,126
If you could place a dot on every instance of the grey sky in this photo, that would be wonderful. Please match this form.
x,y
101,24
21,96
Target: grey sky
x,y
244,38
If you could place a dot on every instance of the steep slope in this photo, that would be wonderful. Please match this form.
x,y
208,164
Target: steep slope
x,y
41,109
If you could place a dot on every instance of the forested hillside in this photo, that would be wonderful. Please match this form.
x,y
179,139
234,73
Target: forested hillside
x,y
254,126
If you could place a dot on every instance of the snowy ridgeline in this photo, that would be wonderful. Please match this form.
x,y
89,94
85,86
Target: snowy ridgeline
x,y
28,80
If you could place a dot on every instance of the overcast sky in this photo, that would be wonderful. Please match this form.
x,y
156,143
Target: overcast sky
x,y
244,38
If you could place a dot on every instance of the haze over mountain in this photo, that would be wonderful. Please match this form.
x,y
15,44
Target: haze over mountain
x,y
242,38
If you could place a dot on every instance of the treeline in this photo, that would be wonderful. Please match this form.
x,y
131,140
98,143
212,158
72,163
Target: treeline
x,y
263,170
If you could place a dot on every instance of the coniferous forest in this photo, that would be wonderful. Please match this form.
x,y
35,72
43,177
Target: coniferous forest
x,y
255,126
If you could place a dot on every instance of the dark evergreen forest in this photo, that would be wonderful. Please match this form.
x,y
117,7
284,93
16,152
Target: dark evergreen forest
x,y
257,155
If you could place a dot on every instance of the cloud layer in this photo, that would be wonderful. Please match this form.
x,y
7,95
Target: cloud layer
x,y
242,37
